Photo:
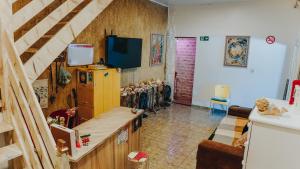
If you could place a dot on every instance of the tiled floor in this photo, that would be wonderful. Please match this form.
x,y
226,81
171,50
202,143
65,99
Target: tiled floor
x,y
172,135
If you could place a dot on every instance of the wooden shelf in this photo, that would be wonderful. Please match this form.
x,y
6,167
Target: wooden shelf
x,y
62,23
47,36
32,50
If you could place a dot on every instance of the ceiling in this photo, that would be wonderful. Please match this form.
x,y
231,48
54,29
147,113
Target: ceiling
x,y
168,2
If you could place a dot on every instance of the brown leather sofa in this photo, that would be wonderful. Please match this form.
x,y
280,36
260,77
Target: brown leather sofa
x,y
215,155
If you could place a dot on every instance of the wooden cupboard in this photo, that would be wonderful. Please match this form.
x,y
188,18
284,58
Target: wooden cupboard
x,y
98,91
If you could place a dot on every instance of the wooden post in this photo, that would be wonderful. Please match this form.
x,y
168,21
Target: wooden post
x,y
5,24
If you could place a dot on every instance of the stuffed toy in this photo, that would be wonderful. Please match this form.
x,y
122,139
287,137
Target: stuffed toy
x,y
264,108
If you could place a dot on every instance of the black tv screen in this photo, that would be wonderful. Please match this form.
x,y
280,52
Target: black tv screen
x,y
123,52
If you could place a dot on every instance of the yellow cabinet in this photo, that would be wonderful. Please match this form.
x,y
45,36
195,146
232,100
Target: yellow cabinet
x,y
98,91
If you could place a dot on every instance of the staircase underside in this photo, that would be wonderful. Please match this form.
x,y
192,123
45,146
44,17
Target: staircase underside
x,y
38,63
40,31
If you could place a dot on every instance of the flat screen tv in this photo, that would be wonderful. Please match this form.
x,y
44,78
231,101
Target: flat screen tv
x,y
123,52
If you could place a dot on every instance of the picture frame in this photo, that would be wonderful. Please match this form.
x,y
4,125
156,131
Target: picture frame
x,y
41,90
156,49
236,51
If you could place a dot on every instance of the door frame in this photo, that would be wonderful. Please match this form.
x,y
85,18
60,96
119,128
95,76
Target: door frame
x,y
175,72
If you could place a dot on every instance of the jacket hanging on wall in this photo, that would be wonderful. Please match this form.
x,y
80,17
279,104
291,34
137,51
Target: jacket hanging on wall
x,y
64,77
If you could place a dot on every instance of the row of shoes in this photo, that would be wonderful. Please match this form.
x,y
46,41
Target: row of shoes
x,y
143,86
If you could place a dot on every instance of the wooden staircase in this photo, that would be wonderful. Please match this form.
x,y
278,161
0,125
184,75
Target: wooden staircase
x,y
31,38
11,151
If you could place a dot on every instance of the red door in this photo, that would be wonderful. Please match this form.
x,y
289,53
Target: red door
x,y
184,70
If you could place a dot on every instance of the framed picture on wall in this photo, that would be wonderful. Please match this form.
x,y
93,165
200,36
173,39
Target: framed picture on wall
x,y
237,51
156,49
40,88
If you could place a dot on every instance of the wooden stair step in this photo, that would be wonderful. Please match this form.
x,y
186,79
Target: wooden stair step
x,y
5,127
9,152
29,11
62,23
46,20
32,50
75,11
47,36
64,35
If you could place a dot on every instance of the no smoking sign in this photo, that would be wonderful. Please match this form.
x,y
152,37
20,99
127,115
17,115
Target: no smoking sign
x,y
270,40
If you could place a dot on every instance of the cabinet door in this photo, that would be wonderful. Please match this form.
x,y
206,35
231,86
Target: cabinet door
x,y
98,93
273,147
116,88
107,89
85,93
85,112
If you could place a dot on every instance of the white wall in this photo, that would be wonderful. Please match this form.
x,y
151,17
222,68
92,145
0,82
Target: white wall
x,y
269,65
261,78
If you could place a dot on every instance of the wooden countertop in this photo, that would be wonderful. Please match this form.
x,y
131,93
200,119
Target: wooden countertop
x,y
102,127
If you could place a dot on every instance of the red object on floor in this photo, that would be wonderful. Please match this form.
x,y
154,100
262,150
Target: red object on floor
x,y
294,84
140,155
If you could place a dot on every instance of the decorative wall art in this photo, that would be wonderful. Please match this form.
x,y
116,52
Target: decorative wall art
x,y
236,51
41,90
157,46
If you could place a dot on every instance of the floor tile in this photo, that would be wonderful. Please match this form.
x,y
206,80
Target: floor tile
x,y
171,136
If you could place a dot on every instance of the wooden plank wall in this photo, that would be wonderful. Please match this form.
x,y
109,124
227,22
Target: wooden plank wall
x,y
127,18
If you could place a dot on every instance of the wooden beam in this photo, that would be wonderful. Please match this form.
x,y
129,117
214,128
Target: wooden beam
x,y
5,24
28,12
33,103
6,16
20,141
23,134
30,121
39,62
2,90
6,34
45,25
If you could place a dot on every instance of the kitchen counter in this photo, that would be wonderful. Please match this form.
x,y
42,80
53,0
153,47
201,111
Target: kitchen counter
x,y
290,119
102,128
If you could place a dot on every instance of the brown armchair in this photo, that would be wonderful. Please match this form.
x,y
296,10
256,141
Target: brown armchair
x,y
214,155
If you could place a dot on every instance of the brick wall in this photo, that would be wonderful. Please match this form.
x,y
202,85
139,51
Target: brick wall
x,y
184,67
